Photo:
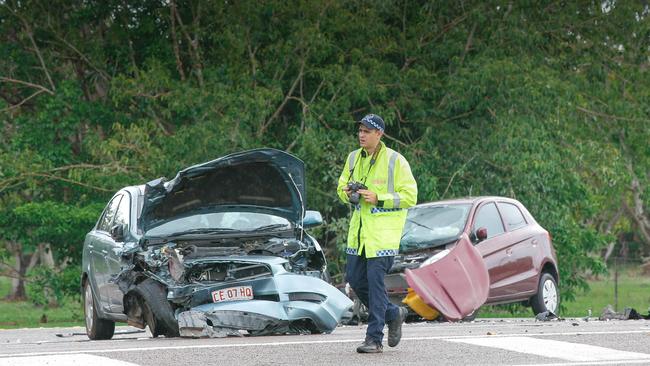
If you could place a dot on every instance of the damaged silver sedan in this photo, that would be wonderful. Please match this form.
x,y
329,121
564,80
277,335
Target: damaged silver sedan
x,y
218,250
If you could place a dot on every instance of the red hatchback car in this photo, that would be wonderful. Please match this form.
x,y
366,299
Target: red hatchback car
x,y
460,254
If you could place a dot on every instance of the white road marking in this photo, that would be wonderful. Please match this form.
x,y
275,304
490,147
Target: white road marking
x,y
555,349
590,363
69,360
289,343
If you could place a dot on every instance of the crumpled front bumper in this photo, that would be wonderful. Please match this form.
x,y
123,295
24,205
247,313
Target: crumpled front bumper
x,y
304,304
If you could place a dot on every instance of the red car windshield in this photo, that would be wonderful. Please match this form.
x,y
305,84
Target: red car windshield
x,y
431,226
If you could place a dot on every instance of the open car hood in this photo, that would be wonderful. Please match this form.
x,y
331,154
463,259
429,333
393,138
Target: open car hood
x,y
261,180
456,285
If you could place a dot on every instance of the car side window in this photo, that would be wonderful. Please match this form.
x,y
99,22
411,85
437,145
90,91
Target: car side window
x,y
122,214
512,216
489,218
109,214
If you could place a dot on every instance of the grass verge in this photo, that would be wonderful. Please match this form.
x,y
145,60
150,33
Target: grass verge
x,y
24,314
633,291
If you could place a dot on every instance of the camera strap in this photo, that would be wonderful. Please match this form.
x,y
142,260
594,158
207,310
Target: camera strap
x,y
373,159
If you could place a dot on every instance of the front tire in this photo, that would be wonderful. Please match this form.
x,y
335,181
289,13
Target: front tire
x,y
96,328
547,297
158,313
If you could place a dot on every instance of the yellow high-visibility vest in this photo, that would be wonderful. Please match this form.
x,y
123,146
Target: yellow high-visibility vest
x,y
375,230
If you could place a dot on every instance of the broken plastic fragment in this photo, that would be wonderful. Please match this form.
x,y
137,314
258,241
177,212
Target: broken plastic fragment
x,y
546,316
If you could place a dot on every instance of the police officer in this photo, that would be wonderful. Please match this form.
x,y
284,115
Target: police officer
x,y
378,183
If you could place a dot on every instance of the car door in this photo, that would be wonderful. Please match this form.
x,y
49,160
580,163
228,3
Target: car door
x,y
114,253
522,279
99,249
456,283
494,248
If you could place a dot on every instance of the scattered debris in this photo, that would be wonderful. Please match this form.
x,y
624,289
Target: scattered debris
x,y
65,335
627,314
194,324
547,316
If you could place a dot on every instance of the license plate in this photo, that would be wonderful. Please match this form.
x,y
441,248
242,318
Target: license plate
x,y
233,294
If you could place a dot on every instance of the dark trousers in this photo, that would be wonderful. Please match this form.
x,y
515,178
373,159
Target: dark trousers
x,y
366,277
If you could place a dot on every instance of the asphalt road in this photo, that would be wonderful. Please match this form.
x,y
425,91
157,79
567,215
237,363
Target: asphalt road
x,y
484,342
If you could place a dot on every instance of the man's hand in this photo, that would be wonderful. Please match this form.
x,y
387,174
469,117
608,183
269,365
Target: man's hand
x,y
368,196
347,191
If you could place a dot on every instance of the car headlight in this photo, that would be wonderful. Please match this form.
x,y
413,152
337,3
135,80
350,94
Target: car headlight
x,y
435,258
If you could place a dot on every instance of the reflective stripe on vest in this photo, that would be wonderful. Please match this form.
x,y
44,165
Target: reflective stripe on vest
x,y
391,174
391,179
351,159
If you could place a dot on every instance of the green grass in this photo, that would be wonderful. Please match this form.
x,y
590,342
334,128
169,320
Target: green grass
x,y
24,314
633,291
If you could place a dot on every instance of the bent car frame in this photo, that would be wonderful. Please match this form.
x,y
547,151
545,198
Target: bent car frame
x,y
219,249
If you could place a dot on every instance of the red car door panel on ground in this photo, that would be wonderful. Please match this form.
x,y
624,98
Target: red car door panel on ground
x,y
456,285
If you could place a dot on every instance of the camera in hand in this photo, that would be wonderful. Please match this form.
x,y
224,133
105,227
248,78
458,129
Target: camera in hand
x,y
354,188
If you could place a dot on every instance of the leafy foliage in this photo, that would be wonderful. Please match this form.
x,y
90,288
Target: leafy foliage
x,y
547,103
47,286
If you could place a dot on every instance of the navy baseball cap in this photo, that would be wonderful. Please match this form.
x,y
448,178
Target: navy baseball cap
x,y
373,121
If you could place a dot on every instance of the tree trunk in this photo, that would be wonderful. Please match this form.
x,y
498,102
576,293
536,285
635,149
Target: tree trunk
x,y
22,264
637,212
46,259
17,280
608,230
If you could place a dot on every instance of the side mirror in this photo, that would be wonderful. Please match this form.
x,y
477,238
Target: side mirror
x,y
312,219
117,232
481,234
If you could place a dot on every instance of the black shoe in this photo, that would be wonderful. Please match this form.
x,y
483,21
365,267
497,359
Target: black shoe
x,y
370,346
395,327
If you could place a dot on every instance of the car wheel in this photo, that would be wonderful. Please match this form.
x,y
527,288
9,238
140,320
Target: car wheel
x,y
547,297
158,313
96,328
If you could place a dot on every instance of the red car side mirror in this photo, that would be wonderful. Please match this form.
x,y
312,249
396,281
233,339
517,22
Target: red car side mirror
x,y
481,233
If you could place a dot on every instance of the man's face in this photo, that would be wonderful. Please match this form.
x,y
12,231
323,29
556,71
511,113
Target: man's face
x,y
368,137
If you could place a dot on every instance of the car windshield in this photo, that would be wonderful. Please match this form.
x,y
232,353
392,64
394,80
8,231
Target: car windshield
x,y
430,226
219,222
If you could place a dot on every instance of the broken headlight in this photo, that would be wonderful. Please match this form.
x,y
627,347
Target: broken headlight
x,y
435,258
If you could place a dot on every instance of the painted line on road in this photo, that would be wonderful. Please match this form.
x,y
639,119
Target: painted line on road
x,y
70,360
312,342
568,351
613,362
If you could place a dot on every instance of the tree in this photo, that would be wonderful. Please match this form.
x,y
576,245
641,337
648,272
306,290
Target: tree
x,y
546,103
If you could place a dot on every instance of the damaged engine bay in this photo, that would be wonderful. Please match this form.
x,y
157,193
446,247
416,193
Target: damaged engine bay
x,y
168,261
175,286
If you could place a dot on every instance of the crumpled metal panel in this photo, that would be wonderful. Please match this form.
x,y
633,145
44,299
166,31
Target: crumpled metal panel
x,y
193,324
263,316
456,285
288,169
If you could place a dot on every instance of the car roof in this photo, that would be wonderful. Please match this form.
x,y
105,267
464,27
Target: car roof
x,y
468,200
